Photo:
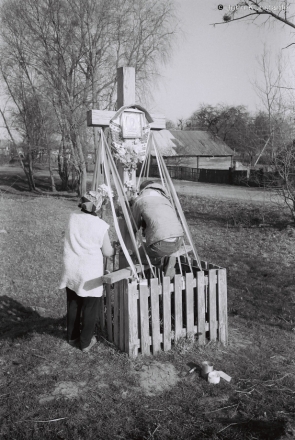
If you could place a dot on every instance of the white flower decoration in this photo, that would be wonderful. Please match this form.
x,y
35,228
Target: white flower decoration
x,y
105,190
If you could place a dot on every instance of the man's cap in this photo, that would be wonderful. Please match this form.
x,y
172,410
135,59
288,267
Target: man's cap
x,y
145,183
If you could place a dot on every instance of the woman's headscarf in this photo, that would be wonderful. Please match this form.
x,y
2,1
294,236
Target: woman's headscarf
x,y
91,201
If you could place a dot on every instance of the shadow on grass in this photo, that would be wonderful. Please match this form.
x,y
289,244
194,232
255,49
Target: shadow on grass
x,y
264,430
14,180
19,182
17,321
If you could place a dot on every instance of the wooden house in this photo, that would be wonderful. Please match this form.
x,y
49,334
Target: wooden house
x,y
193,149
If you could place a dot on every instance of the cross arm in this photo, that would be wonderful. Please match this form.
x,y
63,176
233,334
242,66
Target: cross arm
x,y
101,118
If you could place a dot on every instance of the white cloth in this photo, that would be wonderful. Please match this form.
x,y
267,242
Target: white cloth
x,y
82,258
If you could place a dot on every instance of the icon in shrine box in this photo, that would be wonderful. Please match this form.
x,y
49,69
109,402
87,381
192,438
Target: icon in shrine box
x,y
132,122
130,131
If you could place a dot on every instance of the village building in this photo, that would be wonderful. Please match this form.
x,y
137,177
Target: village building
x,y
195,155
194,149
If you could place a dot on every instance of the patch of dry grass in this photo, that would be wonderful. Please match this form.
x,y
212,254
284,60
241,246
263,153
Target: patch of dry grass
x,y
49,390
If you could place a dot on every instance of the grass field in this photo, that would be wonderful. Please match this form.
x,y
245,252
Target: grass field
x,y
49,390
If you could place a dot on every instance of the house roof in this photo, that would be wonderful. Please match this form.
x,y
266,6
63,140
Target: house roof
x,y
190,143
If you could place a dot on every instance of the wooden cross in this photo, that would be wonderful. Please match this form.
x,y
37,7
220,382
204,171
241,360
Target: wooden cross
x,y
125,96
101,118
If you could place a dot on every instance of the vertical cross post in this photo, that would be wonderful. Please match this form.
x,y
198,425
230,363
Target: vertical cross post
x,y
125,96
125,86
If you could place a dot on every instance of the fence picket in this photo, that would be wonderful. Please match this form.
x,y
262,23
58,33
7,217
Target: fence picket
x,y
101,313
144,318
124,287
222,306
131,332
155,315
200,292
125,332
212,304
109,313
178,306
116,313
166,314
189,292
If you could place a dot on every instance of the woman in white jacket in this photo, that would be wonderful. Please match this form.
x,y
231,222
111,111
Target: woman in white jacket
x,y
86,241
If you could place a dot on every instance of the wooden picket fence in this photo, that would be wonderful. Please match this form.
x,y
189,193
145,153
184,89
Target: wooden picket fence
x,y
147,316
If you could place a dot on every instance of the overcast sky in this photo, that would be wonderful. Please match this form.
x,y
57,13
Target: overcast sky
x,y
215,64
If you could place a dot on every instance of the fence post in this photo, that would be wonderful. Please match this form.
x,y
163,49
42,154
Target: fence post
x,y
131,320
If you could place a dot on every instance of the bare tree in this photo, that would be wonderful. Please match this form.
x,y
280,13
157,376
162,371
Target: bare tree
x,y
232,124
276,100
283,181
14,143
26,117
72,49
268,91
181,123
267,11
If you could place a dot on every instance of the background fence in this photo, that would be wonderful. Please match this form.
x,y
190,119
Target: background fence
x,y
230,176
250,177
